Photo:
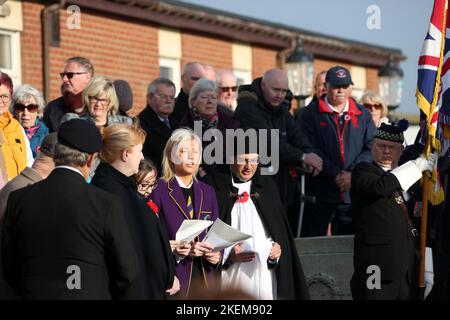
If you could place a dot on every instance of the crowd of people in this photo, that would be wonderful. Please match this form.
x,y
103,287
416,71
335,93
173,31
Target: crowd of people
x,y
91,198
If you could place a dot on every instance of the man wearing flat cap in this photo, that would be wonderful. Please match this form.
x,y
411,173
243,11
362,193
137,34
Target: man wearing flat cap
x,y
384,254
64,238
341,133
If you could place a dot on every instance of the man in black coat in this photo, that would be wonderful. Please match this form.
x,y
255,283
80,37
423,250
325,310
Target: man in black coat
x,y
384,254
157,119
264,105
77,73
64,238
280,276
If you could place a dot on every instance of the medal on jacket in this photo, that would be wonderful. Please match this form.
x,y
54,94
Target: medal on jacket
x,y
398,198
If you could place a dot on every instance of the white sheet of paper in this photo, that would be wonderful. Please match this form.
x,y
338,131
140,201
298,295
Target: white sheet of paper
x,y
222,235
190,229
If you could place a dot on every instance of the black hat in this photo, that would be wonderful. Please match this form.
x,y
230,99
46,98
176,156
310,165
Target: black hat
x,y
48,144
245,141
338,76
81,135
392,132
124,94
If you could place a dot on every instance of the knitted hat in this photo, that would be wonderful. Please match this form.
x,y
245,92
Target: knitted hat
x,y
392,132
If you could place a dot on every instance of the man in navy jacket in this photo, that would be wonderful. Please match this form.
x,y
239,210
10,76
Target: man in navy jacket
x,y
341,133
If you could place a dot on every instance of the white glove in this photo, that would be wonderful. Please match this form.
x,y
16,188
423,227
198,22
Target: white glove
x,y
425,164
429,272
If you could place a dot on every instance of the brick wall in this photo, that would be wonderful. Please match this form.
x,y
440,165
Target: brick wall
x,y
372,79
31,44
206,50
263,59
118,49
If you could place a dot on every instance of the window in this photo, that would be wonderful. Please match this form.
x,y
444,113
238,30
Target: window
x,y
243,76
10,55
170,68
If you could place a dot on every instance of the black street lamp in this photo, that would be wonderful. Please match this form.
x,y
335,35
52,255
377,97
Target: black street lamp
x,y
300,72
391,79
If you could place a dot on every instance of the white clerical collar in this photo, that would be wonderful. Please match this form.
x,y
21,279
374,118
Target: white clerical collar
x,y
70,168
336,110
182,185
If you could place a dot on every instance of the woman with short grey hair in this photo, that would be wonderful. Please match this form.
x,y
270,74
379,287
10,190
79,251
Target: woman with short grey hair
x,y
27,106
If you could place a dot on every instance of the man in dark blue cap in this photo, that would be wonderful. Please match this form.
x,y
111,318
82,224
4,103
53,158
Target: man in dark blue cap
x,y
64,238
341,133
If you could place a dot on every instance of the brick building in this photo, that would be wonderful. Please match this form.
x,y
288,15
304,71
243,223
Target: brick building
x,y
138,40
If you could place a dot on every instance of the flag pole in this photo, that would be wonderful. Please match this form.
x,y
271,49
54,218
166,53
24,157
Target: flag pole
x,y
423,230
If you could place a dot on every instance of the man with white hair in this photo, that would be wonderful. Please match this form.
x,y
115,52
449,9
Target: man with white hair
x,y
227,84
341,133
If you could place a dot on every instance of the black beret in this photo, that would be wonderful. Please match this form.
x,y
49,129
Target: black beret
x,y
81,135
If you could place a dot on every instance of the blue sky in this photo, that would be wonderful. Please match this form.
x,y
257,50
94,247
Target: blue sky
x,y
404,24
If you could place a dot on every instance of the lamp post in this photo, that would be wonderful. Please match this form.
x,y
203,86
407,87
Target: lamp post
x,y
391,79
300,72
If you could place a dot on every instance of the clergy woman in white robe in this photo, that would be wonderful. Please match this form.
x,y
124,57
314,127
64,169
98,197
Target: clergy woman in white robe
x,y
266,265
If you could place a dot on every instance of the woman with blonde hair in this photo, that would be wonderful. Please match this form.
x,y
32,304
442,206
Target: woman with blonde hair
x,y
374,104
101,104
121,154
179,196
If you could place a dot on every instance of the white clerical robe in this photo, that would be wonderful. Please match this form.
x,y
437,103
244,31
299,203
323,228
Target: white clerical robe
x,y
253,277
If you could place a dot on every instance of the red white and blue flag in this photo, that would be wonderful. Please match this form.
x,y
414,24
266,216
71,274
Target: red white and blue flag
x,y
433,84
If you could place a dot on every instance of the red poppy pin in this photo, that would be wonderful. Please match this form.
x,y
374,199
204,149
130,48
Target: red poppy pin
x,y
243,197
153,206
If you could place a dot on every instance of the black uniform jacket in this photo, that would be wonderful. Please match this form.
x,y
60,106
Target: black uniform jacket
x,y
61,229
383,236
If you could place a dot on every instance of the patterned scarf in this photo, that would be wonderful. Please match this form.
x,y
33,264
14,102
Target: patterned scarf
x,y
206,123
31,131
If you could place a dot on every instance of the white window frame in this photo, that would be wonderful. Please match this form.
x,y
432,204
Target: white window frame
x,y
244,74
174,64
15,71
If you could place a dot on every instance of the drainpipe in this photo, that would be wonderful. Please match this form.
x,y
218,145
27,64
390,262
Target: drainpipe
x,y
281,55
45,16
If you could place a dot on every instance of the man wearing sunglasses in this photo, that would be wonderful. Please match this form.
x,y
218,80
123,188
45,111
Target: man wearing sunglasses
x,y
227,84
77,73
341,132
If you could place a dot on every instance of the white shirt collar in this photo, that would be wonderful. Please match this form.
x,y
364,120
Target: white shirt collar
x,y
70,168
334,109
181,184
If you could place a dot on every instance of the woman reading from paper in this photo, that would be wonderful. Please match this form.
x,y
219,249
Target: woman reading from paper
x,y
180,196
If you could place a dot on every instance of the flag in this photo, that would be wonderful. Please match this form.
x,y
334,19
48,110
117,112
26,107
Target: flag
x,y
433,83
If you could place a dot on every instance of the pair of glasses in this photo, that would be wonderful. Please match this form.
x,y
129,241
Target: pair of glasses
x,y
69,75
96,100
147,186
226,89
165,97
32,108
5,98
253,161
370,106
208,97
